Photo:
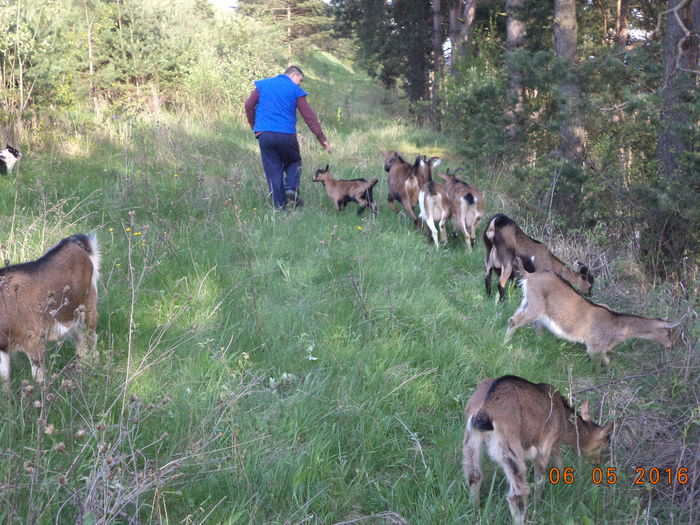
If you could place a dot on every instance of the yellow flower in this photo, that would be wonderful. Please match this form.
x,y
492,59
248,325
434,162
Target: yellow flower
x,y
128,229
137,233
118,265
111,229
176,174
359,228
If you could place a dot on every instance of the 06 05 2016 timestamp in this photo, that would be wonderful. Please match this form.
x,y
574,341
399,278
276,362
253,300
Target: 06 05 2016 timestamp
x,y
608,475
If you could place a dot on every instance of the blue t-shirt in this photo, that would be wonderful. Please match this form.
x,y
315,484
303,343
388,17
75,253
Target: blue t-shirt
x,y
277,105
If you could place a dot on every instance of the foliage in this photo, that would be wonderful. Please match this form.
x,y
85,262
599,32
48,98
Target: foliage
x,y
394,40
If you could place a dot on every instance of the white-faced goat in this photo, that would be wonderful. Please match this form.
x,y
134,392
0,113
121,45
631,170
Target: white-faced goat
x,y
505,241
433,201
467,206
48,299
520,420
405,181
8,158
552,302
343,191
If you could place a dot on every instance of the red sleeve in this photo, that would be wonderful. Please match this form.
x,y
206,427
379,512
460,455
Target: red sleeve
x,y
250,104
310,118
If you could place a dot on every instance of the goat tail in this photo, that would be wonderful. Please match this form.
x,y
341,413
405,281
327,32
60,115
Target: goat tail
x,y
470,198
481,421
372,183
93,250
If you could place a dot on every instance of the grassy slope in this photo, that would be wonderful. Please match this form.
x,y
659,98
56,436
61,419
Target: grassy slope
x,y
229,302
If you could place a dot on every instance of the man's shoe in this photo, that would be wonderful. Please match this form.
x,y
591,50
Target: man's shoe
x,y
293,199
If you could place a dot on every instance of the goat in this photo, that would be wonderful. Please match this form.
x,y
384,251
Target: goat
x,y
521,420
343,191
48,299
8,158
505,241
405,181
467,206
551,301
432,199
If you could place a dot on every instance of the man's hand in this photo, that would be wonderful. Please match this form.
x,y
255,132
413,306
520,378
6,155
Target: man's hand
x,y
327,146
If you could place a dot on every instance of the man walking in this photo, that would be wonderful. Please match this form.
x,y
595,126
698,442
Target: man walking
x,y
271,110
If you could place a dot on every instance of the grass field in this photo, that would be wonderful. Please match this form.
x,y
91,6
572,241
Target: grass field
x,y
305,367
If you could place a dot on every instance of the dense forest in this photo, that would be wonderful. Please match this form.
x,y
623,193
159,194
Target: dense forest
x,y
579,118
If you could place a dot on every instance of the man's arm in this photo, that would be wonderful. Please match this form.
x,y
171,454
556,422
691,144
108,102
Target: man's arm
x,y
312,121
250,104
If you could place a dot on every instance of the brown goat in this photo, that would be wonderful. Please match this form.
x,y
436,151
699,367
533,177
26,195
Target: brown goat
x,y
432,200
551,301
467,206
343,191
405,181
49,299
520,420
505,241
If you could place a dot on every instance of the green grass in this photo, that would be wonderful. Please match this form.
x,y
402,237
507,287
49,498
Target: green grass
x,y
315,364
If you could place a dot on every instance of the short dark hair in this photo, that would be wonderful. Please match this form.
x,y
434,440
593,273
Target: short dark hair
x,y
294,69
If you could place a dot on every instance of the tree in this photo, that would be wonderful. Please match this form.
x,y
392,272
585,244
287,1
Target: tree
x,y
462,14
515,94
306,22
680,56
571,133
675,225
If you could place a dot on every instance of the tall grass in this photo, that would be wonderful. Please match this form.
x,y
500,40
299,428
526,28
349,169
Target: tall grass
x,y
258,367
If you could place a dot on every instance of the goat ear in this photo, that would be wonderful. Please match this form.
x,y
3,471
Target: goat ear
x,y
435,161
585,413
326,168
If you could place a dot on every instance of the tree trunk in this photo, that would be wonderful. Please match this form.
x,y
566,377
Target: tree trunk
x,y
680,56
436,73
289,32
515,96
571,132
622,24
461,20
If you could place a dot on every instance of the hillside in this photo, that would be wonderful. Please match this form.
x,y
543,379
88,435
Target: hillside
x,y
305,367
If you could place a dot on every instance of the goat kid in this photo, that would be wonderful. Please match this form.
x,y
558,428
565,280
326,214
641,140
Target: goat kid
x,y
505,242
433,201
404,180
49,299
8,158
550,301
343,191
467,206
520,420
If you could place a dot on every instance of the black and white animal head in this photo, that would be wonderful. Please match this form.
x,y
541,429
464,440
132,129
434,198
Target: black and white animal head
x,y
8,158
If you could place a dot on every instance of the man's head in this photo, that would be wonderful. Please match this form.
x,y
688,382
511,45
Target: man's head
x,y
295,73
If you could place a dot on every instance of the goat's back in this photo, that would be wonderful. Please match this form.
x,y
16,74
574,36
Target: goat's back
x,y
517,408
36,295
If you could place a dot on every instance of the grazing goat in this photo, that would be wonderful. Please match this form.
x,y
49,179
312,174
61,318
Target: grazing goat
x,y
405,181
433,201
8,158
467,206
343,191
551,301
521,420
505,241
49,299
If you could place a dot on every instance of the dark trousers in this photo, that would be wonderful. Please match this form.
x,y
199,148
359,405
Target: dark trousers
x,y
280,156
